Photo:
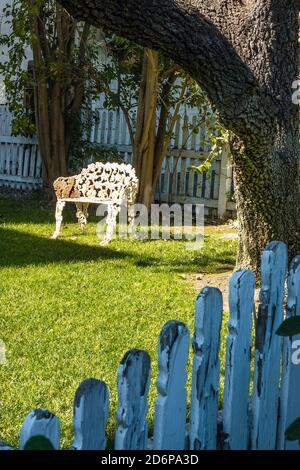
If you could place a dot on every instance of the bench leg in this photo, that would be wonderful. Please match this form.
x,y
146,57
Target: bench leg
x,y
58,217
111,222
82,214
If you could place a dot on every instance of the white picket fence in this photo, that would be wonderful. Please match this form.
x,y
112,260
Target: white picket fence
x,y
248,420
21,166
178,183
20,160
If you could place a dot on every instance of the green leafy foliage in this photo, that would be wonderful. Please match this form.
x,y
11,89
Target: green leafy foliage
x,y
67,62
290,327
94,152
38,443
80,63
121,81
217,141
17,80
293,431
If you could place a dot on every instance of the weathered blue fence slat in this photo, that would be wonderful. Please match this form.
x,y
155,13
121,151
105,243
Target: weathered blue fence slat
x,y
268,347
133,387
41,423
289,398
5,446
91,406
170,411
206,370
246,420
238,358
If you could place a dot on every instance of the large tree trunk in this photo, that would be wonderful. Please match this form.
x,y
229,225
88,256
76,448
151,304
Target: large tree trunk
x,y
244,54
267,195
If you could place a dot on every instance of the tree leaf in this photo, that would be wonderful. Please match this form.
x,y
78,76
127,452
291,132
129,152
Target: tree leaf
x,y
289,327
38,443
293,431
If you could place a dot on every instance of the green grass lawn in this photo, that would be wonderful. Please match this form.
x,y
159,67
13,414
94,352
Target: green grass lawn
x,y
70,309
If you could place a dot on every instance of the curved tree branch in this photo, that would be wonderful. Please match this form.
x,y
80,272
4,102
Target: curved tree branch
x,y
180,30
216,42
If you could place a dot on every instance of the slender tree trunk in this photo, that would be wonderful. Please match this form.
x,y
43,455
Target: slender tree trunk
x,y
58,112
153,134
51,127
145,135
58,99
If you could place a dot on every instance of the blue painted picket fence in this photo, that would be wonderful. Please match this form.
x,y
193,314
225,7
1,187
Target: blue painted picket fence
x,y
257,407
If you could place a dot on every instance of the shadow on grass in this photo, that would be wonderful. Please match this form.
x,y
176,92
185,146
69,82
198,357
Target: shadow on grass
x,y
31,211
22,249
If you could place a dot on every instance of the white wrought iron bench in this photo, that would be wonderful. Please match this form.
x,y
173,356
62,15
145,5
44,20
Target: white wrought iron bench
x,y
111,184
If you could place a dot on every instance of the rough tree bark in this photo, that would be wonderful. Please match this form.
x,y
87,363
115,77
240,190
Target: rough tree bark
x,y
244,55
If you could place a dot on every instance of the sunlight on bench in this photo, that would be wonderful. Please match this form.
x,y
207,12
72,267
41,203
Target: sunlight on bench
x,y
111,184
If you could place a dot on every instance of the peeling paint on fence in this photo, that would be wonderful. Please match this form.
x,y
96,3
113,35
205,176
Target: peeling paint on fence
x,y
170,411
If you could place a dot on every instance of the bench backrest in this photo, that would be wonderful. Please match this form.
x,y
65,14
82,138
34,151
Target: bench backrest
x,y
102,181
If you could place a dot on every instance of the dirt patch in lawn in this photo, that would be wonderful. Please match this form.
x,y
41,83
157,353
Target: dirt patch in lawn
x,y
200,281
229,232
219,280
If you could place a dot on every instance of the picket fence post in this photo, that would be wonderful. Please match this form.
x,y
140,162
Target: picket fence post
x,y
290,386
238,360
206,370
268,347
41,422
170,410
91,407
5,446
133,388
